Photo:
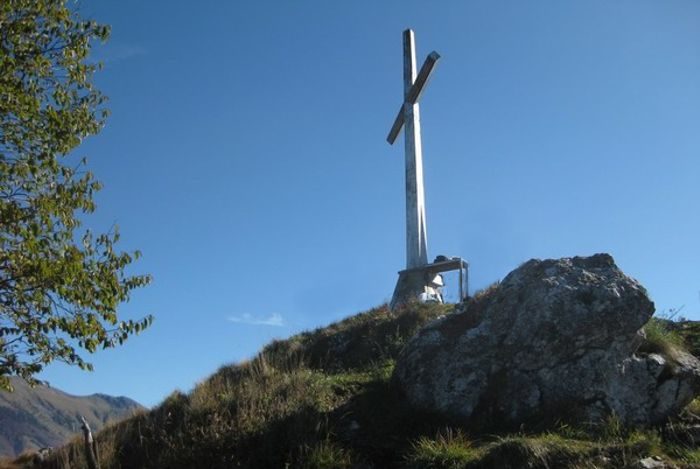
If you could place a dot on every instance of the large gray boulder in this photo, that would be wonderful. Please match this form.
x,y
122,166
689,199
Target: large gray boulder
x,y
555,339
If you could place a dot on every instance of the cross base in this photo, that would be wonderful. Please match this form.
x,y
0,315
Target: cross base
x,y
417,284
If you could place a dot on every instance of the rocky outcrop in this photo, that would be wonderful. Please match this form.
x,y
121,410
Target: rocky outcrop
x,y
554,338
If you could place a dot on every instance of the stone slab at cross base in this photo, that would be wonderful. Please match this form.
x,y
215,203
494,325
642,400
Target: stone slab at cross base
x,y
413,282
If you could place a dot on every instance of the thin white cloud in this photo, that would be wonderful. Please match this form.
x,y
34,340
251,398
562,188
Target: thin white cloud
x,y
274,320
110,53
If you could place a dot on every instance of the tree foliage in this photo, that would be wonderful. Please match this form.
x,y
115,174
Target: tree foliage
x,y
60,285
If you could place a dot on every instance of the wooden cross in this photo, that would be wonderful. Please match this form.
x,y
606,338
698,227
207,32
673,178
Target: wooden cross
x,y
409,117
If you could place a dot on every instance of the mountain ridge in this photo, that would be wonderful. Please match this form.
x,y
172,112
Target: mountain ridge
x,y
45,416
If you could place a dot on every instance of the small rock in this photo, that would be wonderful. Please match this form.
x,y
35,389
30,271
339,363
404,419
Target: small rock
x,y
653,462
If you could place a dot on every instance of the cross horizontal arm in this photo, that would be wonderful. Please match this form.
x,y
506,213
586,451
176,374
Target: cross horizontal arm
x,y
396,128
422,78
414,93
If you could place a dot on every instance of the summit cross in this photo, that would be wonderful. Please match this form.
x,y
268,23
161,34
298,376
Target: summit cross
x,y
409,117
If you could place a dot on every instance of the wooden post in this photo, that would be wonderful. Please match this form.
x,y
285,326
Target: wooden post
x,y
91,453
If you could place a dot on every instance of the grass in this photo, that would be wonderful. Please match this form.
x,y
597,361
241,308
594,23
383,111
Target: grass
x,y
662,339
326,455
689,332
622,448
297,404
545,450
450,449
325,399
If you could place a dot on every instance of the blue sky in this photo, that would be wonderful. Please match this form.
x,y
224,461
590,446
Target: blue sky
x,y
246,158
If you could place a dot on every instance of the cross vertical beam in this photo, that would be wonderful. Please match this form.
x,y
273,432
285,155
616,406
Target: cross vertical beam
x,y
416,232
409,117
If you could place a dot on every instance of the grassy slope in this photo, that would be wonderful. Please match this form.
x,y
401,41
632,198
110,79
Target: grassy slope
x,y
43,416
324,399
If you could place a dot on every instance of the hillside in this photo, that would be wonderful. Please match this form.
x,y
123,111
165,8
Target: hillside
x,y
44,416
325,399
299,397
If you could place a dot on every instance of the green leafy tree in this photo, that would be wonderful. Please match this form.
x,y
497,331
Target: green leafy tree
x,y
60,285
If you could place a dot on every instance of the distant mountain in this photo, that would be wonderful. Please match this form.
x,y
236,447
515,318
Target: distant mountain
x,y
45,416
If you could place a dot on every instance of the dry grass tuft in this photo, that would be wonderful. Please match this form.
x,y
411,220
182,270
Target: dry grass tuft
x,y
662,339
